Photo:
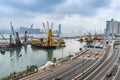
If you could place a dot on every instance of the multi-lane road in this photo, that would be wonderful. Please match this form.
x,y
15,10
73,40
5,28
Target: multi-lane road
x,y
110,65
97,69
101,71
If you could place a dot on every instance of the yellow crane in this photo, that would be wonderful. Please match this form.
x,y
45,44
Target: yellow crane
x,y
44,27
49,40
89,38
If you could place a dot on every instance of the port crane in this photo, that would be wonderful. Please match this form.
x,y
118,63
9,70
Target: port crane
x,y
49,39
89,38
49,42
3,37
17,41
44,27
13,32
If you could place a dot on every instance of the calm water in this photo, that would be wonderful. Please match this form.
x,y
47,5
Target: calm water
x,y
12,61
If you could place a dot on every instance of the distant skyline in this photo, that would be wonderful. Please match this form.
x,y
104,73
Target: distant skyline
x,y
73,15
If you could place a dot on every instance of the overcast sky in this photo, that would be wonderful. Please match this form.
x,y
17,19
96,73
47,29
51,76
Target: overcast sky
x,y
73,15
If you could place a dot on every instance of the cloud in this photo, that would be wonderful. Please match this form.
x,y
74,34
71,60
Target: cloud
x,y
72,14
32,5
82,7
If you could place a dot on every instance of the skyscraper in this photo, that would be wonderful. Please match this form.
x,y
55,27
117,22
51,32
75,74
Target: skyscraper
x,y
112,27
59,28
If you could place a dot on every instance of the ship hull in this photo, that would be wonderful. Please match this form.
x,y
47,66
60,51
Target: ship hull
x,y
44,47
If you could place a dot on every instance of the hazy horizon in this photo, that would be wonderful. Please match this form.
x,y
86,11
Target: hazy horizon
x,y
73,15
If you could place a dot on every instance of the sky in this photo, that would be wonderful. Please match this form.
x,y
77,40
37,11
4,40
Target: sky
x,y
74,15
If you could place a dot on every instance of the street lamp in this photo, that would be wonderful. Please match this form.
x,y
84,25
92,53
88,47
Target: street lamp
x,y
83,61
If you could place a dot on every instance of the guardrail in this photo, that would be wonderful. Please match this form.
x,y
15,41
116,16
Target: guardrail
x,y
87,72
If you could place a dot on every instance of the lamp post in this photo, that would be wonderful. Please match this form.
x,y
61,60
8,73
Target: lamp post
x,y
83,61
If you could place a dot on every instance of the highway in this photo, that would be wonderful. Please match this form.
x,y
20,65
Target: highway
x,y
71,72
114,71
106,52
100,72
117,77
65,71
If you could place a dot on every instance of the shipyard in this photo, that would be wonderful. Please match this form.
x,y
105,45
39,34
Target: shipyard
x,y
59,40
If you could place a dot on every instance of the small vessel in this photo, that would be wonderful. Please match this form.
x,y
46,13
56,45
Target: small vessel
x,y
2,51
20,55
81,39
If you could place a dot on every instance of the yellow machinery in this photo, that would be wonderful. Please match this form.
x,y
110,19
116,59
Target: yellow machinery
x,y
95,36
96,53
81,39
61,42
49,41
36,42
89,38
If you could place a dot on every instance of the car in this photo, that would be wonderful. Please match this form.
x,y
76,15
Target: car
x,y
56,79
96,57
88,55
108,74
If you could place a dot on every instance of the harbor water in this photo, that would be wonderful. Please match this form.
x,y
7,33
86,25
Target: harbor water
x,y
17,59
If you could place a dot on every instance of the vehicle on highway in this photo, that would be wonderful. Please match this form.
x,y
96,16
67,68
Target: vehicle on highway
x,y
56,78
96,57
88,55
108,74
96,53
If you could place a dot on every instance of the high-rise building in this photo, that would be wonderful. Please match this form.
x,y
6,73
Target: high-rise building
x,y
112,27
59,28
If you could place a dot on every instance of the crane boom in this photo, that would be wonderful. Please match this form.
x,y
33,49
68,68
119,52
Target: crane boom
x,y
12,30
48,25
3,37
51,26
30,30
44,27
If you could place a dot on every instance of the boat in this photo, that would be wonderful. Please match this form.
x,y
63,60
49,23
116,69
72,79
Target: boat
x,y
2,51
48,44
46,47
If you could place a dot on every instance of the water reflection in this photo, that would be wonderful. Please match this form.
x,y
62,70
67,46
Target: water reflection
x,y
17,50
25,48
48,51
50,54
